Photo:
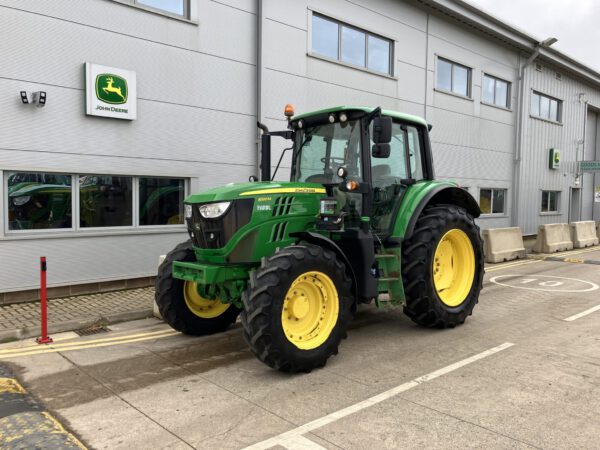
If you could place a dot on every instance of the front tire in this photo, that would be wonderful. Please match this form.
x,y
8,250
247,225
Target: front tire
x,y
297,308
442,267
180,304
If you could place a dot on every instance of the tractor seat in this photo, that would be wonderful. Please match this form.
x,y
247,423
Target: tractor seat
x,y
381,175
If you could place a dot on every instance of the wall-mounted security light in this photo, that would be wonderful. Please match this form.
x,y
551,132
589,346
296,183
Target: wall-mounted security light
x,y
39,99
35,98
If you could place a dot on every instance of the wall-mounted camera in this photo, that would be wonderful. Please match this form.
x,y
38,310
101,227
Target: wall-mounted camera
x,y
34,98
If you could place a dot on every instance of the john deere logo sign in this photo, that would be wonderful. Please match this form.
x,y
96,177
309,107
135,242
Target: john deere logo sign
x,y
554,158
110,92
111,89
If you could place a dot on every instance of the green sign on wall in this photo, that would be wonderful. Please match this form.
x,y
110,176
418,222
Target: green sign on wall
x,y
554,158
111,88
589,166
110,92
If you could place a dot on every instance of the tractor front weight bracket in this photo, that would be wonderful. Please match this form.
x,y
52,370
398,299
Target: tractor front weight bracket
x,y
225,283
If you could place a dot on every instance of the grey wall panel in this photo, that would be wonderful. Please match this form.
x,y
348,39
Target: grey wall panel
x,y
467,42
82,259
477,164
164,73
162,131
213,34
469,131
310,94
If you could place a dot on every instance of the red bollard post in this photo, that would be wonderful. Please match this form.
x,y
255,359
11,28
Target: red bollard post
x,y
44,338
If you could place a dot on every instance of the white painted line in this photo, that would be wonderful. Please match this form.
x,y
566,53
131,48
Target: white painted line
x,y
582,314
334,416
525,279
300,443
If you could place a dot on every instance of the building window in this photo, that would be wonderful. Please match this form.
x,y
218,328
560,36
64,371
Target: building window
x,y
550,201
453,77
43,201
351,45
496,91
105,201
545,107
161,201
38,201
492,201
176,7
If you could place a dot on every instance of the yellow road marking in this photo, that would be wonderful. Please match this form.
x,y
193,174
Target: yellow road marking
x,y
83,346
61,429
92,341
543,257
574,261
569,253
507,266
11,386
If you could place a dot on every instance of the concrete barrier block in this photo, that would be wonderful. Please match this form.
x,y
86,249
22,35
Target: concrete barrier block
x,y
553,237
155,310
503,244
584,234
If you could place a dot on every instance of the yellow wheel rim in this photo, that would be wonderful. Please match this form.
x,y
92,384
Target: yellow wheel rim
x,y
310,310
200,306
454,267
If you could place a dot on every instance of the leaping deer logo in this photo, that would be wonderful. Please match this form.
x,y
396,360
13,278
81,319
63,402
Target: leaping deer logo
x,y
110,88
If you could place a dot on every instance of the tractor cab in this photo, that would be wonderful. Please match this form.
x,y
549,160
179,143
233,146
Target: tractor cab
x,y
366,159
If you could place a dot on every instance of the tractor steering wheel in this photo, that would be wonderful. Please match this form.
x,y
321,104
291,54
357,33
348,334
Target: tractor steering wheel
x,y
334,159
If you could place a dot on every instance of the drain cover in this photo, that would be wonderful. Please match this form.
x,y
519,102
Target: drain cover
x,y
91,330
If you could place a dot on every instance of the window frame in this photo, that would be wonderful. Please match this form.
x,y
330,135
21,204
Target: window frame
x,y
187,10
558,194
4,191
343,23
559,108
453,63
76,229
508,106
491,213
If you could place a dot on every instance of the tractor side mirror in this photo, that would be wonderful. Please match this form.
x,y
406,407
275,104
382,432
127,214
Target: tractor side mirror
x,y
381,151
382,130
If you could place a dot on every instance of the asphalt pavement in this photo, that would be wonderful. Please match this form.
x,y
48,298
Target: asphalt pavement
x,y
522,372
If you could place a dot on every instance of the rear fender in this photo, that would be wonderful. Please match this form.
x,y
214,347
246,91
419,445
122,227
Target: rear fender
x,y
443,194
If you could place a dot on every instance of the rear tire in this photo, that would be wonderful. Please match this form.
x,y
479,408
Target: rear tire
x,y
448,303
172,303
297,308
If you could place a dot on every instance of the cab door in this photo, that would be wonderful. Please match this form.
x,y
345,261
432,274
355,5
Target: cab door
x,y
389,175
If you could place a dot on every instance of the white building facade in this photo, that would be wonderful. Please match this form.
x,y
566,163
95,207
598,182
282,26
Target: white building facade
x,y
100,196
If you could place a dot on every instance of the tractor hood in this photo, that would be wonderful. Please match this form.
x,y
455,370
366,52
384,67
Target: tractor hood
x,y
235,191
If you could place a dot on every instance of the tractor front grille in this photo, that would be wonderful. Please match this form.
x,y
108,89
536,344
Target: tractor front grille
x,y
216,233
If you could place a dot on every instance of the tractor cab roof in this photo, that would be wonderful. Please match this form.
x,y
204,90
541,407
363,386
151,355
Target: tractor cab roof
x,y
386,112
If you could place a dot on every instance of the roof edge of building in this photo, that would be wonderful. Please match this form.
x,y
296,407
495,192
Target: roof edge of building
x,y
464,11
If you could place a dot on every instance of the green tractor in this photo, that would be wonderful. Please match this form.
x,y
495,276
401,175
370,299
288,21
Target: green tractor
x,y
362,219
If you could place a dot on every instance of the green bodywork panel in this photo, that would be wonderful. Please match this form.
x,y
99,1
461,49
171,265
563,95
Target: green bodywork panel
x,y
279,209
411,201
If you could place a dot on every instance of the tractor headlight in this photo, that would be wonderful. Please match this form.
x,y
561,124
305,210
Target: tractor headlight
x,y
214,210
20,201
188,211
